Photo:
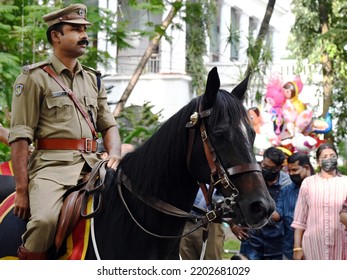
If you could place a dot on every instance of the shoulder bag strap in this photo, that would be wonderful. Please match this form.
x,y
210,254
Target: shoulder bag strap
x,y
72,96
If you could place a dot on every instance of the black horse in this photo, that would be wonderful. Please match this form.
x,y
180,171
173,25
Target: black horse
x,y
208,141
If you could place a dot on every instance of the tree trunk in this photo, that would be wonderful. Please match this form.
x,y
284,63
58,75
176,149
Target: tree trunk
x,y
152,46
253,61
327,65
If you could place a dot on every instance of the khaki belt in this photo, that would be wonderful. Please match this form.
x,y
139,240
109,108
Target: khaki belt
x,y
84,145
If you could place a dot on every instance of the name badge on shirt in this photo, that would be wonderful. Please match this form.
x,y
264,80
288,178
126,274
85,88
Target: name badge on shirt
x,y
59,93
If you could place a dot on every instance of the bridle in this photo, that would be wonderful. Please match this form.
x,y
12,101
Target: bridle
x,y
219,179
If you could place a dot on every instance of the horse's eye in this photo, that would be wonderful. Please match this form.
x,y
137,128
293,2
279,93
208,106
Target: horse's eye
x,y
220,135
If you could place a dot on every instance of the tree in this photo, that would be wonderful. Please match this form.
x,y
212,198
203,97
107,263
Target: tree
x,y
259,54
198,16
149,51
319,37
255,50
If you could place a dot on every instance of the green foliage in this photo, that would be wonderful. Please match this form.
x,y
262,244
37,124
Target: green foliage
x,y
342,169
198,19
4,153
22,41
259,58
138,123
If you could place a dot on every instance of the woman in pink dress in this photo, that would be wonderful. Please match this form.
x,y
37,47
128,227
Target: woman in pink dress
x,y
319,234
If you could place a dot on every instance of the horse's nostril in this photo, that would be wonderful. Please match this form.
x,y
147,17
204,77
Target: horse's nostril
x,y
258,208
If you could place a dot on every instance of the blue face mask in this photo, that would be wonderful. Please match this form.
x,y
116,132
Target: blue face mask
x,y
329,164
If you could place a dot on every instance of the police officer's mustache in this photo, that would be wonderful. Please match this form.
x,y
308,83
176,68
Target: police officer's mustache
x,y
83,42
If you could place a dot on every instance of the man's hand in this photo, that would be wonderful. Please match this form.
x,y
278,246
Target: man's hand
x,y
21,206
113,161
239,231
19,156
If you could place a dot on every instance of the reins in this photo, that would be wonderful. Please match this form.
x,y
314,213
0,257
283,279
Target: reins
x,y
163,207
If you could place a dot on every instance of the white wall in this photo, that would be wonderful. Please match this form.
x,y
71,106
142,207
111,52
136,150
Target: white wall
x,y
166,92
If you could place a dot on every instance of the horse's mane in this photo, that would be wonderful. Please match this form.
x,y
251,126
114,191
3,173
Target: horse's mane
x,y
163,154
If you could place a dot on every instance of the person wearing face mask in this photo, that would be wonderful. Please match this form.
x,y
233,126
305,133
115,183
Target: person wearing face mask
x,y
318,232
299,168
266,243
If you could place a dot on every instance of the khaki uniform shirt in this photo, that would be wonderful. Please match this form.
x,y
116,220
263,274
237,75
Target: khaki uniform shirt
x,y
41,109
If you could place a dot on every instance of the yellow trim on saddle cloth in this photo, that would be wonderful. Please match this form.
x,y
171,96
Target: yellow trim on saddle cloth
x,y
6,206
77,241
8,258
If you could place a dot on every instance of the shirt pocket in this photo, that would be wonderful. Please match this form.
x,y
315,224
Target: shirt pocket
x,y
60,108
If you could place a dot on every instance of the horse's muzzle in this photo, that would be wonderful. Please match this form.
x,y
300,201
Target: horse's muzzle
x,y
258,213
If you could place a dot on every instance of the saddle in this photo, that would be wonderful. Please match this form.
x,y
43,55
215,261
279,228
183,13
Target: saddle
x,y
76,200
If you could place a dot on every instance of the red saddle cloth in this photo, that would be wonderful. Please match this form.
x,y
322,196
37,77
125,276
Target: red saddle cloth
x,y
6,168
77,241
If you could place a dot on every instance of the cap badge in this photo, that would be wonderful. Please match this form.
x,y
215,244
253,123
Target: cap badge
x,y
81,12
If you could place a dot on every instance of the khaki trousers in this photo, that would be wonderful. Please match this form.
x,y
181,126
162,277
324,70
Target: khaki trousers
x,y
46,199
191,245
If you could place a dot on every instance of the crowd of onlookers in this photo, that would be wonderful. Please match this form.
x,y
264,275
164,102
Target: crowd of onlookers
x,y
310,220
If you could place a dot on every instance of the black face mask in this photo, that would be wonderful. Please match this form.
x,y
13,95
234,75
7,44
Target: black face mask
x,y
296,179
329,165
269,175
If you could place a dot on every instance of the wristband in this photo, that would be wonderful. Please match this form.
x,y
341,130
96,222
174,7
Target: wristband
x,y
297,249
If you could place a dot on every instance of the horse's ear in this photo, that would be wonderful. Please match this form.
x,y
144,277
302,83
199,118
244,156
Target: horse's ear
x,y
212,87
240,90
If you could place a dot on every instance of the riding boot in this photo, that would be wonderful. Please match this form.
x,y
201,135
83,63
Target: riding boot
x,y
24,254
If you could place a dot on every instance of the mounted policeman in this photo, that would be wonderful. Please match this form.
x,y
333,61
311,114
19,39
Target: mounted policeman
x,y
60,106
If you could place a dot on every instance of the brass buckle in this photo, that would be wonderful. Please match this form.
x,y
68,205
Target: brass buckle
x,y
225,182
203,135
211,215
88,146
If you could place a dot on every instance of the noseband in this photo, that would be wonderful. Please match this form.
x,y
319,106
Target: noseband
x,y
218,177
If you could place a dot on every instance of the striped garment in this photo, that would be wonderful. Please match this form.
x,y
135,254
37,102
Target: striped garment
x,y
317,212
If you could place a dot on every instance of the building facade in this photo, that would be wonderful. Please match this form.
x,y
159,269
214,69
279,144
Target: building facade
x,y
164,82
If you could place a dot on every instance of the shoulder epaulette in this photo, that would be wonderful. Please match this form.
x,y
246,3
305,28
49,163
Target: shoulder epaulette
x,y
27,68
87,68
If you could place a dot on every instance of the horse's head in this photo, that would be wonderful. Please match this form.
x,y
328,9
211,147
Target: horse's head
x,y
221,152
